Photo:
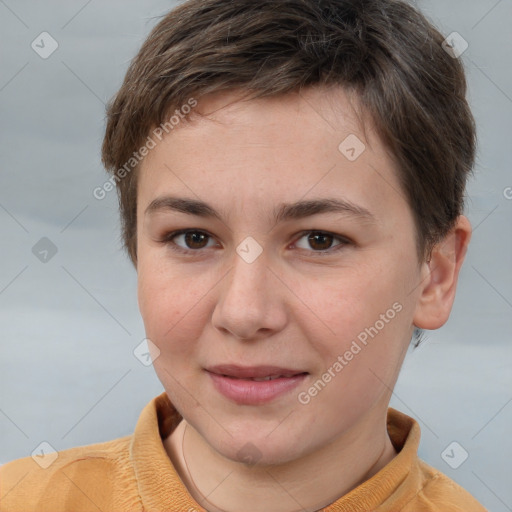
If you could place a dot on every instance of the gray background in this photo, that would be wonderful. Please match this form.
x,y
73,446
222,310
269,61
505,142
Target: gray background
x,y
69,326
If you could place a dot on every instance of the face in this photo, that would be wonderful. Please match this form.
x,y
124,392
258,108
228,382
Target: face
x,y
259,274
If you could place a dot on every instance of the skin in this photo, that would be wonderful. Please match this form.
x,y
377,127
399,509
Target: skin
x,y
291,307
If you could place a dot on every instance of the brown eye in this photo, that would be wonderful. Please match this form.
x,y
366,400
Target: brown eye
x,y
195,239
188,241
321,242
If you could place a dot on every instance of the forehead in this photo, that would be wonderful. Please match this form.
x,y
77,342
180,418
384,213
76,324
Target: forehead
x,y
237,151
317,109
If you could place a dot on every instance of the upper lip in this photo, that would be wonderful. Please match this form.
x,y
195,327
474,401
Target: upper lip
x,y
249,372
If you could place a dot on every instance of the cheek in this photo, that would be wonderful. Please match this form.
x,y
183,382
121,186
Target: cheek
x,y
366,318
352,301
171,309
361,364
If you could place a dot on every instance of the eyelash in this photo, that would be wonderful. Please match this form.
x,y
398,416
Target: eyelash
x,y
168,240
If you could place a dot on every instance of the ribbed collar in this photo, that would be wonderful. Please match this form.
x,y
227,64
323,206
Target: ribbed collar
x,y
162,490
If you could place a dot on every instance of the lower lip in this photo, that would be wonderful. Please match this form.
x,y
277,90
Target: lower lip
x,y
251,392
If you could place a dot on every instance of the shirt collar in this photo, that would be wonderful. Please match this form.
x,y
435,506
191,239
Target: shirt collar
x,y
161,488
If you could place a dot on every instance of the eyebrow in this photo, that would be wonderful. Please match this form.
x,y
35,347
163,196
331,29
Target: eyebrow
x,y
285,211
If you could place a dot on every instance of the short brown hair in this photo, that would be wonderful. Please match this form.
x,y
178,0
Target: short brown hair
x,y
384,50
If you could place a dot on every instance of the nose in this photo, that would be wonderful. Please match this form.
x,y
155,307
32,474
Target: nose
x,y
250,303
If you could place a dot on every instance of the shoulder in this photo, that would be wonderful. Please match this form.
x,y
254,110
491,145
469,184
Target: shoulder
x,y
439,492
79,478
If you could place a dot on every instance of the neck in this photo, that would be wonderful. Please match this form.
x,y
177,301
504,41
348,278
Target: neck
x,y
311,483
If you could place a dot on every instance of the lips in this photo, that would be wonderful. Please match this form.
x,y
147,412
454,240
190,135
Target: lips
x,y
257,373
254,385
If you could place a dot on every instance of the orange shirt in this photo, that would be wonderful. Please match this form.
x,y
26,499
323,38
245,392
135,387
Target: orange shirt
x,y
134,473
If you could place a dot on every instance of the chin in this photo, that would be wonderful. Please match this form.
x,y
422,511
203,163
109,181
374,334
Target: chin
x,y
259,450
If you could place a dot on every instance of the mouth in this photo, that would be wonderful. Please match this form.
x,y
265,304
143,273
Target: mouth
x,y
256,384
257,373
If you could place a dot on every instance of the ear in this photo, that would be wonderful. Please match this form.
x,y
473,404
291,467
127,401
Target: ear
x,y
439,277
